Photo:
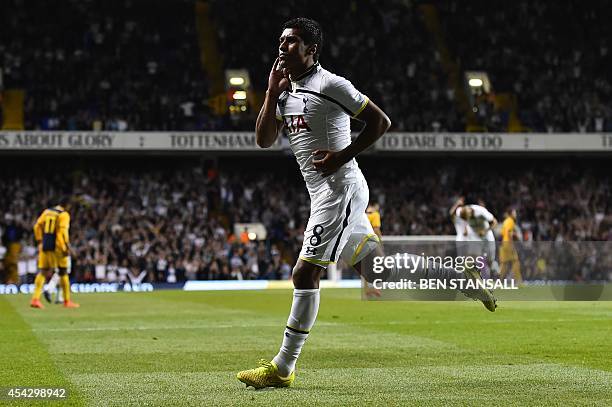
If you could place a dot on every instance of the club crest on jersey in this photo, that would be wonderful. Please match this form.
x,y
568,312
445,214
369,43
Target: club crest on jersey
x,y
305,100
295,123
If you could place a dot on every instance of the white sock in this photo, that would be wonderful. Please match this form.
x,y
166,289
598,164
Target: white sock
x,y
304,311
52,284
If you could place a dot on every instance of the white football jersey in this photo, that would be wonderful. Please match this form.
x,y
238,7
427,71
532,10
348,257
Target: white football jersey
x,y
316,113
480,221
482,218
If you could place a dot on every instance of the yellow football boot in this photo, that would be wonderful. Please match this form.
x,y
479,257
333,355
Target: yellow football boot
x,y
266,375
483,295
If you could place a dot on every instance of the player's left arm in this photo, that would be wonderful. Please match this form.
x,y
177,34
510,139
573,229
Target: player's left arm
x,y
376,124
493,223
63,232
489,217
358,106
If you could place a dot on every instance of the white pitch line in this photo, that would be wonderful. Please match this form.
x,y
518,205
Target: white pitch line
x,y
155,328
319,323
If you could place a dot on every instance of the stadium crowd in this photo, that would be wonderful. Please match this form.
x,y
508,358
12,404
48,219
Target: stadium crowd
x,y
555,202
135,65
98,65
360,38
558,67
136,222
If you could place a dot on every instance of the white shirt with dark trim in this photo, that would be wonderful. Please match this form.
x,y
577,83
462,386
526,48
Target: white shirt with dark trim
x,y
316,113
481,220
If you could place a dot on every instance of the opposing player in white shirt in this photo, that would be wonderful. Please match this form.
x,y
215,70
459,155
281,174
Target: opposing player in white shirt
x,y
313,107
474,224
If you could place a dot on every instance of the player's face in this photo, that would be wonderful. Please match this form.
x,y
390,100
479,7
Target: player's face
x,y
293,53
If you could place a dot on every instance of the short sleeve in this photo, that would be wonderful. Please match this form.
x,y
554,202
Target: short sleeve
x,y
482,211
345,95
375,219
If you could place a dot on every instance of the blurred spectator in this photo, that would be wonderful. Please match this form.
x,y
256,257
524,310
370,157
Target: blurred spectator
x,y
175,224
135,65
382,47
98,65
558,67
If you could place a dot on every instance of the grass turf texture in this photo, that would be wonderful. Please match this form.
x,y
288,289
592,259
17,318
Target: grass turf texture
x,y
184,348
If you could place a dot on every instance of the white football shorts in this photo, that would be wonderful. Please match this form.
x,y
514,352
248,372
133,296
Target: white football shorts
x,y
338,226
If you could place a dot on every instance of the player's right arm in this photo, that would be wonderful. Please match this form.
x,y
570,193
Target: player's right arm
x,y
38,229
268,126
453,209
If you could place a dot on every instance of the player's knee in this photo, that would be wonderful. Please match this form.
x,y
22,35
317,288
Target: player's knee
x,y
62,271
306,275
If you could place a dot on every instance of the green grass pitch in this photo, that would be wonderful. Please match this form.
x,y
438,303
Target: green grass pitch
x,y
184,348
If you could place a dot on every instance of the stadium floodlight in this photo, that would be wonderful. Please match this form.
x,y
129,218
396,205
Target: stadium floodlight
x,y
477,81
255,230
239,95
236,81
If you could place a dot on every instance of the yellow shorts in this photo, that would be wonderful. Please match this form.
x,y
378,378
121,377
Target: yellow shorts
x,y
47,260
507,252
52,260
63,261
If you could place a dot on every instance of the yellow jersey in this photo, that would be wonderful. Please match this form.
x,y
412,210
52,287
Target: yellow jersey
x,y
374,218
52,230
507,230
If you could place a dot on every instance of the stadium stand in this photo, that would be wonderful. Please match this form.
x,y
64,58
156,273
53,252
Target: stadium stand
x,y
558,68
176,223
97,65
413,90
145,70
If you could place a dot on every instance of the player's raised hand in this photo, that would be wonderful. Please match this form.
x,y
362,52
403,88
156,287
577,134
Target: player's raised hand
x,y
278,80
329,161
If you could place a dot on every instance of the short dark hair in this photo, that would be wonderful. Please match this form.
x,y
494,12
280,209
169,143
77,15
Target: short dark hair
x,y
310,31
63,200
